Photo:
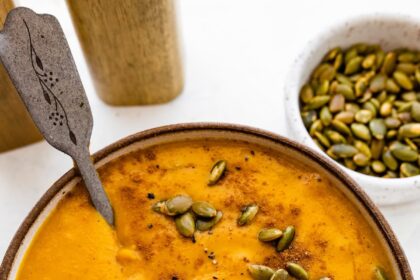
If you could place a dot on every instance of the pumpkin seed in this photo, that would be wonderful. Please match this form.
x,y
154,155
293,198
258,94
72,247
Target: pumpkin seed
x,y
417,75
316,126
392,86
403,152
408,169
369,61
378,128
346,91
248,213
403,80
204,209
160,207
361,86
204,225
318,71
350,54
411,130
335,137
380,274
325,116
410,143
349,163
390,174
386,109
260,272
306,93
328,73
376,148
323,88
361,159
308,118
366,170
415,111
391,134
390,61
382,97
351,107
337,103
363,148
353,65
297,271
269,234
363,116
407,68
378,83
322,139
217,172
338,61
317,102
378,166
280,274
343,150
341,127
342,79
361,131
380,56
331,55
409,96
185,224
404,117
178,205
391,122
346,117
286,239
389,160
406,57
369,106
365,97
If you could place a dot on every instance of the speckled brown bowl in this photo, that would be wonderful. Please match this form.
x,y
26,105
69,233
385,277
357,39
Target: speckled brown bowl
x,y
178,132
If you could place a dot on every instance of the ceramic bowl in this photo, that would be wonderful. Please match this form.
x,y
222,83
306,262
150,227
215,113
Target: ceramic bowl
x,y
167,134
390,31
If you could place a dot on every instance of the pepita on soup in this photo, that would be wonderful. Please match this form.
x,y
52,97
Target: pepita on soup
x,y
362,108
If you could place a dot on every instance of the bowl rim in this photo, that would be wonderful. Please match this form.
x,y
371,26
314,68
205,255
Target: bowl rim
x,y
292,89
371,209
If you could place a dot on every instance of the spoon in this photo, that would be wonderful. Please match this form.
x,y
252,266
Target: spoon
x,y
35,53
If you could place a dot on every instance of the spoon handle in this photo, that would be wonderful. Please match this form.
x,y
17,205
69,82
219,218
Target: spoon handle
x,y
35,53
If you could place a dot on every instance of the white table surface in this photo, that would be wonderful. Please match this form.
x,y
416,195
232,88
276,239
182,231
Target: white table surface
x,y
236,56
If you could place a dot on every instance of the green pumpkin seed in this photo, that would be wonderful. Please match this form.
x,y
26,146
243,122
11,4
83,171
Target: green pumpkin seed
x,y
378,166
323,88
366,170
386,109
390,61
390,174
286,239
407,68
204,225
378,83
280,274
306,93
417,75
380,56
410,143
350,54
185,224
346,91
322,139
376,102
406,107
361,86
363,148
406,57
343,150
316,126
378,128
248,213
338,61
160,207
335,137
331,154
363,116
391,122
369,61
415,111
403,152
260,272
341,127
204,209
404,117
178,205
349,164
369,106
325,116
342,79
361,159
409,96
391,134
346,117
328,73
411,130
361,131
297,271
317,102
308,118
376,148
365,97
403,80
408,169
269,234
331,55
389,160
382,97
380,274
217,172
392,86
318,71
353,65
337,103
351,107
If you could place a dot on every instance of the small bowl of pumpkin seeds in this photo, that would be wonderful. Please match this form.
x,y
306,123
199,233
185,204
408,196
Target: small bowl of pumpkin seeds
x,y
354,95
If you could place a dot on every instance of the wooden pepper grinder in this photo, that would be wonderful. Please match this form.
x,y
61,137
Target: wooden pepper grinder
x,y
16,126
131,47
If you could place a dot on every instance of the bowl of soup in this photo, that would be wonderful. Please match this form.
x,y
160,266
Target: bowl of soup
x,y
208,201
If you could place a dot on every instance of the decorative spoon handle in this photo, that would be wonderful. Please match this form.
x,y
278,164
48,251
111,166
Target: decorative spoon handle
x,y
36,55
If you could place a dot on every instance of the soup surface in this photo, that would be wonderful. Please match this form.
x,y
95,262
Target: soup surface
x,y
332,237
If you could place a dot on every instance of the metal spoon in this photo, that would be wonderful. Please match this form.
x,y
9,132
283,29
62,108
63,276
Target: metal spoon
x,y
36,55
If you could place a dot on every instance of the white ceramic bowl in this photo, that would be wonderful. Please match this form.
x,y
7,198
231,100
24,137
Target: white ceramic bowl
x,y
390,31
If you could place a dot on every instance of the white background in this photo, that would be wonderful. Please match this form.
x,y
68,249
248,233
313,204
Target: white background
x,y
237,54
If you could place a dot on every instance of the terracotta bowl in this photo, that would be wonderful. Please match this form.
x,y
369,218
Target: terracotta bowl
x,y
172,133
